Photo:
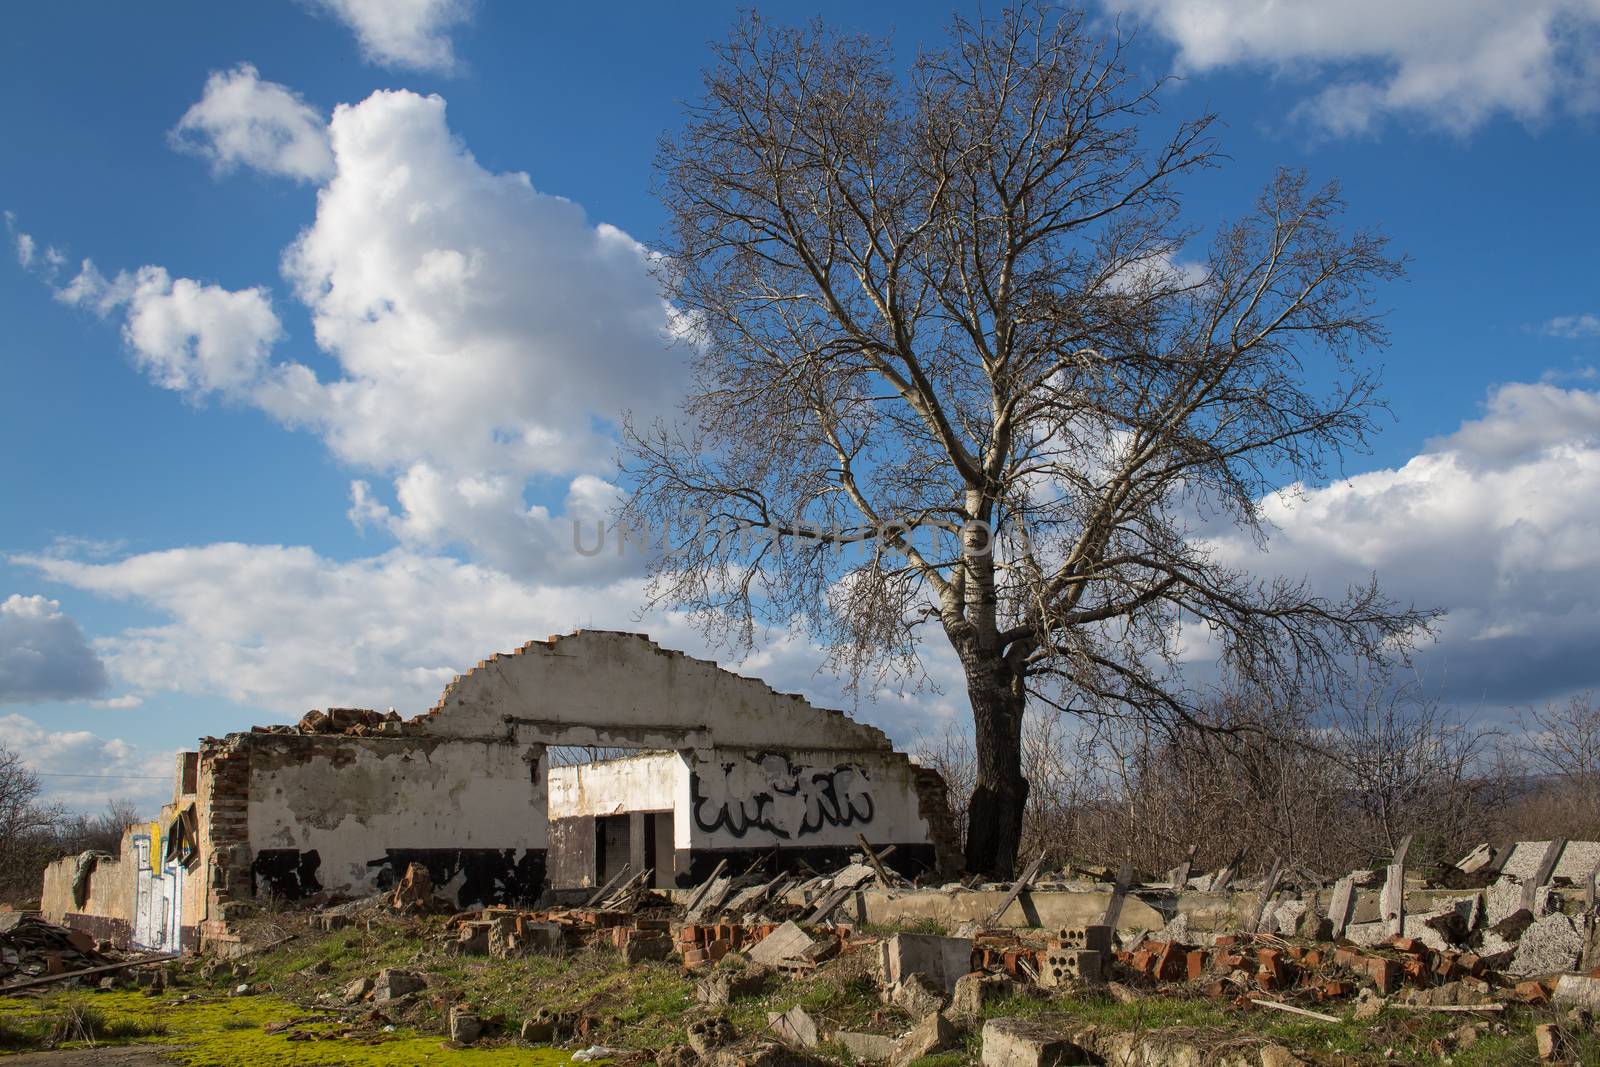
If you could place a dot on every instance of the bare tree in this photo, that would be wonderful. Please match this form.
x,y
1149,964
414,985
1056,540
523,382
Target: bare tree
x,y
949,372
1560,743
26,829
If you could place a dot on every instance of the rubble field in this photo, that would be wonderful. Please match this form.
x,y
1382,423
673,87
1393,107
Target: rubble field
x,y
735,974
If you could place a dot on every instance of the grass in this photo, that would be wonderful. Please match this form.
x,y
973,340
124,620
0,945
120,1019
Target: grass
x,y
647,1007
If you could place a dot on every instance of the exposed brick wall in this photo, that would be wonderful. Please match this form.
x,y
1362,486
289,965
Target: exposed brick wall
x,y
223,805
933,802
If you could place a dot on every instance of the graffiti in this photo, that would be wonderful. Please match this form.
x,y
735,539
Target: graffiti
x,y
286,873
479,875
783,799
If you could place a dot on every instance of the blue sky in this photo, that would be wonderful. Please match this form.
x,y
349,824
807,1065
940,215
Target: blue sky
x,y
184,550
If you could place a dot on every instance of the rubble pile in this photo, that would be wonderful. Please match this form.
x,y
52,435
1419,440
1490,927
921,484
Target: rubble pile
x,y
351,722
33,948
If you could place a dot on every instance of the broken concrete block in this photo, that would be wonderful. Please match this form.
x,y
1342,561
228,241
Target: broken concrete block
x,y
975,990
794,1027
1064,966
917,996
933,1034
708,1035
866,1048
942,959
465,1026
1552,943
1547,1039
1579,990
392,983
1025,1043
787,942
358,990
724,986
642,948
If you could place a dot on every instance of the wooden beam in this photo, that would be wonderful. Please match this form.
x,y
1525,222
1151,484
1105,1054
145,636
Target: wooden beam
x,y
1542,873
1268,888
1016,890
1179,875
600,894
705,887
1119,893
1392,900
106,968
877,865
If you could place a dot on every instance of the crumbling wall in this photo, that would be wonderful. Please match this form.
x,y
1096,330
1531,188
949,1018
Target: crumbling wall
x,y
346,815
768,770
107,908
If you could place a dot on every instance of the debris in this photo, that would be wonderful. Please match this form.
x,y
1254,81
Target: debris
x,y
933,1034
1552,943
917,996
1025,1043
941,959
794,1027
866,1048
1291,1009
1017,889
787,942
1578,989
465,1026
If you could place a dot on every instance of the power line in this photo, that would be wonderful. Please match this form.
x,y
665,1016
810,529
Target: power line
x,y
122,777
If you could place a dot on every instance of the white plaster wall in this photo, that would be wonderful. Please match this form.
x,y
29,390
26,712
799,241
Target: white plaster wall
x,y
747,799
616,689
352,798
656,781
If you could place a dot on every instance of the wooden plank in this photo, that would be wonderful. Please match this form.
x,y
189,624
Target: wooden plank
x,y
1268,888
1542,873
1343,905
106,968
1179,875
1016,890
1291,1009
1119,894
1220,880
705,887
1392,900
877,865
600,894
1396,1003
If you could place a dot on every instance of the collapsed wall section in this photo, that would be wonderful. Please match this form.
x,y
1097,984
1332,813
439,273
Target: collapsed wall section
x,y
346,815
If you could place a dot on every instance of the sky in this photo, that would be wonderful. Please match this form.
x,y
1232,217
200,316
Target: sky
x,y
319,319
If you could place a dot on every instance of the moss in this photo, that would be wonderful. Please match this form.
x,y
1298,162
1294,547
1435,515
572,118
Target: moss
x,y
225,1032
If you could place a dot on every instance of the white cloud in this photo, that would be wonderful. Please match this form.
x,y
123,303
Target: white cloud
x,y
82,770
43,653
1573,327
285,629
483,335
24,249
411,34
244,121
185,335
1453,62
1498,524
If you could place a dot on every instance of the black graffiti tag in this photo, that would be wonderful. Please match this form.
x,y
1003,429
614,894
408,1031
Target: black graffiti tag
x,y
825,798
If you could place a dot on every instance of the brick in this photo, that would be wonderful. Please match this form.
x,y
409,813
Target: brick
x,y
1194,965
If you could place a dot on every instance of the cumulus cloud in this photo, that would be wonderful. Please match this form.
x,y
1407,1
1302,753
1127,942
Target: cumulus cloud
x,y
82,770
188,336
1495,524
1456,63
43,654
413,34
241,120
483,335
1573,327
286,629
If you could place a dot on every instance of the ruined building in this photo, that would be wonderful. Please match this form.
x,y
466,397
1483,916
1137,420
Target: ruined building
x,y
725,768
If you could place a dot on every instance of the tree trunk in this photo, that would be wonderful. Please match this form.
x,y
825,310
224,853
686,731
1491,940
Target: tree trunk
x,y
994,817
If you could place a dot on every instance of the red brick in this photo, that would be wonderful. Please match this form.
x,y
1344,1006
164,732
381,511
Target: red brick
x,y
1195,965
